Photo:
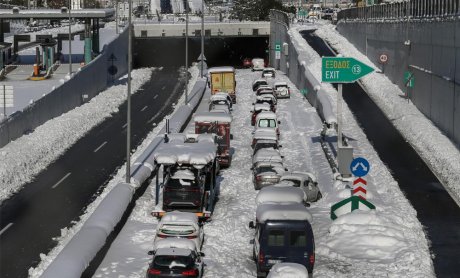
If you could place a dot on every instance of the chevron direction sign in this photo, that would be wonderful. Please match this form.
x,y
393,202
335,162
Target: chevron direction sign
x,y
359,188
348,205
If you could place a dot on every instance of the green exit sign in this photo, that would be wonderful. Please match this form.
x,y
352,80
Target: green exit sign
x,y
343,70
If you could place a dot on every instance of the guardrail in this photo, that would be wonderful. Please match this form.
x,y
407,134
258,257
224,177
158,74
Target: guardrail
x,y
408,10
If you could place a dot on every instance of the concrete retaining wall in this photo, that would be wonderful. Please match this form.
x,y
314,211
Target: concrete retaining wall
x,y
88,82
433,56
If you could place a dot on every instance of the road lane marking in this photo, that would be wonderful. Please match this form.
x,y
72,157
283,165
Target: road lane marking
x,y
6,228
102,145
155,97
61,180
124,125
162,88
145,107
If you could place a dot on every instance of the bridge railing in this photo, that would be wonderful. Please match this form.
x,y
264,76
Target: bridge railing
x,y
407,10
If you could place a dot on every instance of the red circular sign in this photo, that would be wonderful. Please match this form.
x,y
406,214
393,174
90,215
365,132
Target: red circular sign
x,y
383,58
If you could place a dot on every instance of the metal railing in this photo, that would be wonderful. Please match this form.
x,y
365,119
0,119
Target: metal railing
x,y
412,9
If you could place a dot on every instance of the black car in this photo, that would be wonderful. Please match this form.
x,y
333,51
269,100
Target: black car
x,y
184,189
175,262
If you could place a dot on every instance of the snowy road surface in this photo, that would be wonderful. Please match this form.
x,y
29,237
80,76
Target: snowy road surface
x,y
386,242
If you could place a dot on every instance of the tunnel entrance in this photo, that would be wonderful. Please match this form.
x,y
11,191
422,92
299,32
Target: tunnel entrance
x,y
223,51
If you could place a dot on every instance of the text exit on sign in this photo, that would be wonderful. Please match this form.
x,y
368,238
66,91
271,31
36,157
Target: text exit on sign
x,y
343,69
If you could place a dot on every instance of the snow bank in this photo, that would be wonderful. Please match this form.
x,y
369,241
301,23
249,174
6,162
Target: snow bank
x,y
434,147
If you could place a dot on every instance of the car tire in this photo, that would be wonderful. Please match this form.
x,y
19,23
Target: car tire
x,y
319,196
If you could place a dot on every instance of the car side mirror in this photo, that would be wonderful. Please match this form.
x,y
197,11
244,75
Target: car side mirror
x,y
252,168
202,254
280,146
279,122
151,253
252,241
286,169
251,225
231,136
253,103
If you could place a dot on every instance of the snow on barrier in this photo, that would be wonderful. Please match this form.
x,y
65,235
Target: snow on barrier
x,y
83,247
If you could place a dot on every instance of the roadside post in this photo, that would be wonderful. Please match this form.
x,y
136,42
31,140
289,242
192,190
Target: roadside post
x,y
383,60
6,97
360,167
408,83
278,54
342,70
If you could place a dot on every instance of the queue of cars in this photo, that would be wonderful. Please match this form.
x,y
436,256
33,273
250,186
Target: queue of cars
x,y
190,164
283,237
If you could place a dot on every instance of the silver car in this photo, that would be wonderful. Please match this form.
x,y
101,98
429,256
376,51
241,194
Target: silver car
x,y
267,173
307,182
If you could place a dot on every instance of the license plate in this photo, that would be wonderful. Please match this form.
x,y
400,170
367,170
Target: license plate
x,y
274,261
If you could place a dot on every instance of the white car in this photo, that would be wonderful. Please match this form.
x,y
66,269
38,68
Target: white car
x,y
282,90
268,72
305,181
258,64
178,224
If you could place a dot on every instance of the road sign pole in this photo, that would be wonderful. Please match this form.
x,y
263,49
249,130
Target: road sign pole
x,y
4,101
339,116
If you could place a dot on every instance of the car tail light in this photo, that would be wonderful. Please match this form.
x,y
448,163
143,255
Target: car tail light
x,y
154,271
190,272
258,178
196,202
261,257
253,142
191,237
312,259
162,236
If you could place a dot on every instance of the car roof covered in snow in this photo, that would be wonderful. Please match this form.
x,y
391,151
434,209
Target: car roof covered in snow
x,y
280,194
269,69
262,106
266,115
179,217
266,97
276,166
219,96
172,242
266,133
197,154
266,141
288,270
267,154
221,69
260,80
302,176
207,117
273,211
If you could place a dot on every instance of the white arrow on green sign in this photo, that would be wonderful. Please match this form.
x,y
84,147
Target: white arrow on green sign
x,y
343,69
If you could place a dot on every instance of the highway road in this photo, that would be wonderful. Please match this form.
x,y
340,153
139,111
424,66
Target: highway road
x,y
30,219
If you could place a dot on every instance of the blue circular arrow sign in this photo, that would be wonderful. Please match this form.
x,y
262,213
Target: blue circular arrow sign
x,y
360,167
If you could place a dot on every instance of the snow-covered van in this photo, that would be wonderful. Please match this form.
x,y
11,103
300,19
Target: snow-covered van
x,y
222,79
283,233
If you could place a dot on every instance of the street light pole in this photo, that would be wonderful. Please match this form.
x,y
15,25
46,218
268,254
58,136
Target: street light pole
x,y
202,37
186,52
70,40
128,130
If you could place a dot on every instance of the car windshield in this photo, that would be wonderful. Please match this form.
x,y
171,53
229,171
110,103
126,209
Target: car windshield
x,y
267,123
177,229
295,182
172,262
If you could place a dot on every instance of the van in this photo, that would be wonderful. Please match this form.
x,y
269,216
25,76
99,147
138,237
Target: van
x,y
283,233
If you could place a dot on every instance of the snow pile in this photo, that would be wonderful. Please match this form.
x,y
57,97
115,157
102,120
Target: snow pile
x,y
434,147
288,270
363,238
27,156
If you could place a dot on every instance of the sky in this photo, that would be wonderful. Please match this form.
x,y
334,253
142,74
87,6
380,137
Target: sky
x,y
387,241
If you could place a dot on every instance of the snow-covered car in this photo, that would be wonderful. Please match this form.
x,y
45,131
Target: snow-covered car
x,y
265,91
179,224
175,257
263,133
267,173
258,82
247,63
262,87
281,90
221,101
268,72
270,99
258,64
283,233
265,144
267,120
327,14
268,155
285,270
305,181
258,107
280,193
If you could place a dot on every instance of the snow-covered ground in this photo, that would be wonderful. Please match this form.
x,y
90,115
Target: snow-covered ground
x,y
441,155
386,242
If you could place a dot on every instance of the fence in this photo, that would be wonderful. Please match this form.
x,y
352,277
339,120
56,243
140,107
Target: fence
x,y
408,10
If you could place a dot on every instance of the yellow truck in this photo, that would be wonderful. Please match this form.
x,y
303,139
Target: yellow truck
x,y
222,79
